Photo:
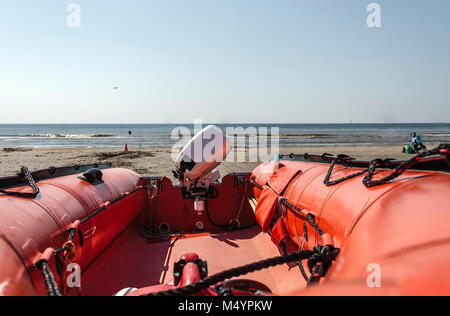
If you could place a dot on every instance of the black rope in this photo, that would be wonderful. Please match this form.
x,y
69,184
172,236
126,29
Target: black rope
x,y
321,261
26,175
227,226
158,234
256,184
66,247
80,237
316,274
93,214
305,232
49,280
232,273
71,234
59,260
310,218
105,205
327,181
302,270
232,226
312,221
443,149
291,206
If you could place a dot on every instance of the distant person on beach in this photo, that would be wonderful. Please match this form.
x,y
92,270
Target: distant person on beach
x,y
416,142
129,133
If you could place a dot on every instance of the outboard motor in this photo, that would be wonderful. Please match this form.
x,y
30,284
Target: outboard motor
x,y
196,164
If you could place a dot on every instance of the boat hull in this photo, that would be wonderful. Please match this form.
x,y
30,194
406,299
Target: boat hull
x,y
29,226
398,231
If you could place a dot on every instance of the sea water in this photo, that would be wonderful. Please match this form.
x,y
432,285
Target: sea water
x,y
156,135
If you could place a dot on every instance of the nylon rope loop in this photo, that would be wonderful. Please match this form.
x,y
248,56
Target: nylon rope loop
x,y
26,175
253,181
310,218
65,254
345,159
312,221
280,206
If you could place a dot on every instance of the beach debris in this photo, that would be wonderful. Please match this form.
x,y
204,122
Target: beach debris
x,y
12,149
121,155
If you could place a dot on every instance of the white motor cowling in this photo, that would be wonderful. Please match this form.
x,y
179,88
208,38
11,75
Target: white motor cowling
x,y
195,164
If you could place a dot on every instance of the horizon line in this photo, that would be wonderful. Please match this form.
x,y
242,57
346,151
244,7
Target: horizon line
x,y
222,123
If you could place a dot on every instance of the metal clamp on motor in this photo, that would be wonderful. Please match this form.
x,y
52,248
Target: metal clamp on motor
x,y
196,165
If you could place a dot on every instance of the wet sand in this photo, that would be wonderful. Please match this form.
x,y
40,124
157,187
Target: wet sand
x,y
158,161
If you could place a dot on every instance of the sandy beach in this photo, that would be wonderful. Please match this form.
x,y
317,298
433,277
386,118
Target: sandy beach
x,y
158,161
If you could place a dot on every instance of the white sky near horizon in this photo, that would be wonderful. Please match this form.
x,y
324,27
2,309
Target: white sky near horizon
x,y
224,61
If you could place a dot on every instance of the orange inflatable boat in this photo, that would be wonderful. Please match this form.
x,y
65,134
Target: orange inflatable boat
x,y
302,225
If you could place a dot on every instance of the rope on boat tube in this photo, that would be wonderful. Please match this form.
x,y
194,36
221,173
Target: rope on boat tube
x,y
49,280
235,272
26,175
107,204
319,261
322,259
256,184
327,181
69,245
310,218
67,251
443,150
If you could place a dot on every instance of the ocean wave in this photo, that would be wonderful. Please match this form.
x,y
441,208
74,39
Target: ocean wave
x,y
58,136
436,135
284,135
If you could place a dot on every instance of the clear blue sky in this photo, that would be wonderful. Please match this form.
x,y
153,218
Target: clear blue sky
x,y
224,61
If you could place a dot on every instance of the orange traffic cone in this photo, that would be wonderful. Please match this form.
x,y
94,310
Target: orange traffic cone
x,y
126,147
